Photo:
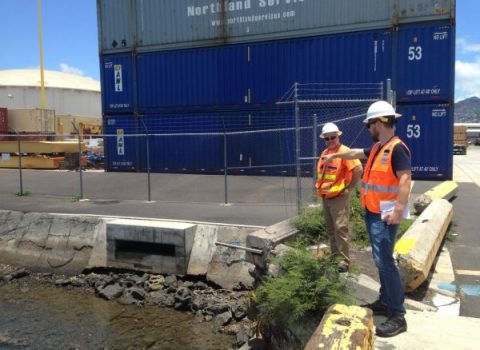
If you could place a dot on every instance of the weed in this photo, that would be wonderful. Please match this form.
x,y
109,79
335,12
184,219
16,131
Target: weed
x,y
311,226
73,199
24,193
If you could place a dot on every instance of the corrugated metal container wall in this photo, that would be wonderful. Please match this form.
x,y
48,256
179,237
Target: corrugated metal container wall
x,y
3,121
199,77
116,24
240,76
427,131
425,64
117,83
121,150
363,57
183,23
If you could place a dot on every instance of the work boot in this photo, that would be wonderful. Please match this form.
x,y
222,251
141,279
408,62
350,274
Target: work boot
x,y
378,308
392,326
342,267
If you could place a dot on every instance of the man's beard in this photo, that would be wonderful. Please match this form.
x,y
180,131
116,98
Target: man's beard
x,y
375,137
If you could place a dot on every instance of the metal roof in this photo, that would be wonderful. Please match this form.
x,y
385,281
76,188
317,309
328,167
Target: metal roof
x,y
53,79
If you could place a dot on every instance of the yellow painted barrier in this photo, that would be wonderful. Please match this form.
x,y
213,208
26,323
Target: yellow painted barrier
x,y
416,250
343,328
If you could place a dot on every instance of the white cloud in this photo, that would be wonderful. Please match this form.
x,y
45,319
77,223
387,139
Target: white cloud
x,y
72,70
467,79
466,47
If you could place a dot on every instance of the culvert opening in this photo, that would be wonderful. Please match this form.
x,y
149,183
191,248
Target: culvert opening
x,y
133,249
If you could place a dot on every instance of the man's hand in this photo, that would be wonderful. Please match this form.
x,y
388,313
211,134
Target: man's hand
x,y
328,158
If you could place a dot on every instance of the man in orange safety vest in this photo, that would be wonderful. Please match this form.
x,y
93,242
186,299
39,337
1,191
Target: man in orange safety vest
x,y
385,190
334,183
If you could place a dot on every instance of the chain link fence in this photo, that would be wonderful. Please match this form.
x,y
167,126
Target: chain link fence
x,y
277,147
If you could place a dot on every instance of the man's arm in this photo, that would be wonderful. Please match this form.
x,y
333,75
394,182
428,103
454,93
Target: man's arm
x,y
354,153
405,179
356,176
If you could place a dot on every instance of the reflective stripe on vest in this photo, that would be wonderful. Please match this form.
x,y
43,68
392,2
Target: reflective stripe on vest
x,y
379,183
331,179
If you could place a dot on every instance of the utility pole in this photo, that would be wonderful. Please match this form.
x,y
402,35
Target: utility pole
x,y
43,101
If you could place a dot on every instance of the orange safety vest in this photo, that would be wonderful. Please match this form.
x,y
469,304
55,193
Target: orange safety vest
x,y
379,182
332,178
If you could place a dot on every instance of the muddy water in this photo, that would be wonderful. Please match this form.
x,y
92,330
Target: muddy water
x,y
46,317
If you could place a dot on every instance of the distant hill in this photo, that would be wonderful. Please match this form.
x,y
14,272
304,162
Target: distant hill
x,y
468,110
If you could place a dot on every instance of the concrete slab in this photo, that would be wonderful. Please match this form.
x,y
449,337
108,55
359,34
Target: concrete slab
x,y
154,246
427,330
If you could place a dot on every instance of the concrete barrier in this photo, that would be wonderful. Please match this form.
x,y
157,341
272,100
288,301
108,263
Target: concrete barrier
x,y
445,190
416,250
344,327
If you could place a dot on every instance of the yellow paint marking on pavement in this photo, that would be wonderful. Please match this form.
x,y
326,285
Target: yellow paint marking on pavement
x,y
467,272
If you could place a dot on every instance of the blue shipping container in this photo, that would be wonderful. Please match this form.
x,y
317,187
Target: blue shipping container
x,y
117,84
428,132
425,64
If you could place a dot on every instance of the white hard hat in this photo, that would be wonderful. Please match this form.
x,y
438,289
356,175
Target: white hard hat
x,y
380,109
328,128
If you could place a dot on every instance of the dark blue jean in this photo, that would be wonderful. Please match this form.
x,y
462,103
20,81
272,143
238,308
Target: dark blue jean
x,y
382,239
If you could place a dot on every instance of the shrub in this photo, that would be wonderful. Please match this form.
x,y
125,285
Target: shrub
x,y
311,226
307,288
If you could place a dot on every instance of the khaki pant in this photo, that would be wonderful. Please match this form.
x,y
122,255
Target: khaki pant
x,y
336,215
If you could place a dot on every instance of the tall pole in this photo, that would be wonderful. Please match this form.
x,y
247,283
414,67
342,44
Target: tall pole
x,y
297,150
315,146
43,101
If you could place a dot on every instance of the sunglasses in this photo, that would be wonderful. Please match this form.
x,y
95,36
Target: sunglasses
x,y
330,138
370,123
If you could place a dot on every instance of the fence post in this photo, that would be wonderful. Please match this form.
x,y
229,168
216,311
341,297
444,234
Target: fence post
x,y
315,145
148,160
390,94
225,161
79,159
297,150
19,162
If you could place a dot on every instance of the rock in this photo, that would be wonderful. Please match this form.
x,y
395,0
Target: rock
x,y
136,293
239,311
169,301
223,318
183,298
228,267
171,280
275,270
110,292
217,309
421,203
61,282
199,302
19,274
243,335
200,285
155,282
188,284
157,297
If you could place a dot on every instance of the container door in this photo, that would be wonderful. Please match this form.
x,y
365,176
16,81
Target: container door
x,y
425,64
117,84
121,147
427,131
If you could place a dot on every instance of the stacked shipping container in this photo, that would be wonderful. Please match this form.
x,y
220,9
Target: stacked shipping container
x,y
226,63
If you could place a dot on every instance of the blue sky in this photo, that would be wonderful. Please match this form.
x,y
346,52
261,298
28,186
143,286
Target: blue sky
x,y
70,39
